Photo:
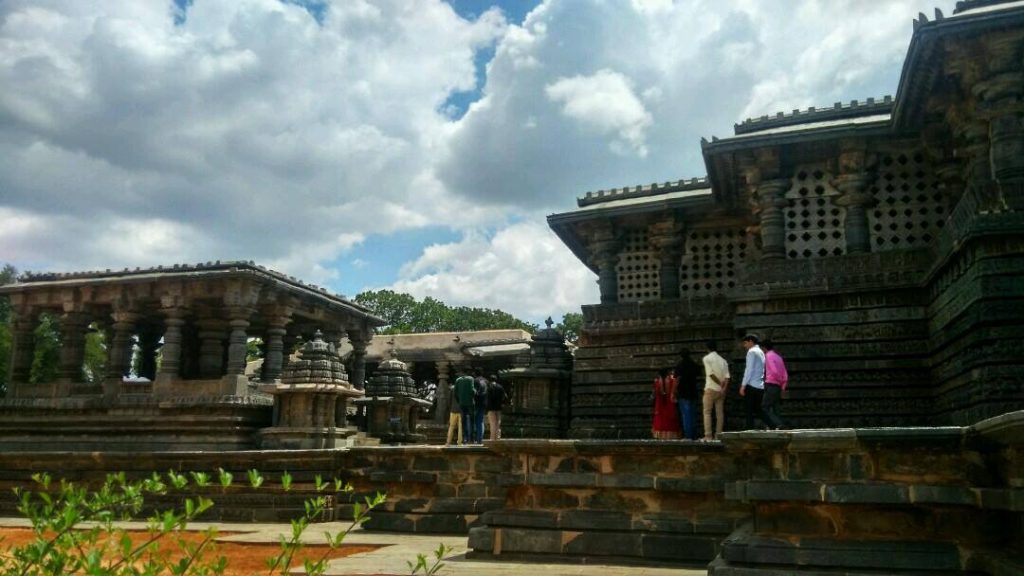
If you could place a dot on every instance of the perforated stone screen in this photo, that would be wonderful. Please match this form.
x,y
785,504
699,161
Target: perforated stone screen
x,y
814,224
910,206
639,277
711,261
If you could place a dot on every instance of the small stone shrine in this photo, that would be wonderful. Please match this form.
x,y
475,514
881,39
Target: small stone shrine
x,y
392,405
539,387
310,401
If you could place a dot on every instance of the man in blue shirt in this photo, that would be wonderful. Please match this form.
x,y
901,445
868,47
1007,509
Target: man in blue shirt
x,y
752,387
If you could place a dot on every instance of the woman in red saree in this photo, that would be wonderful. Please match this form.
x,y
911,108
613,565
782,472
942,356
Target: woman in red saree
x,y
666,417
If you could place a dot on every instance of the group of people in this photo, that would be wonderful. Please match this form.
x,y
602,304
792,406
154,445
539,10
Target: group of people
x,y
469,399
676,393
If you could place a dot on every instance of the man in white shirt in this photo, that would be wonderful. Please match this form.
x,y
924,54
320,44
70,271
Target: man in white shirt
x,y
716,382
752,387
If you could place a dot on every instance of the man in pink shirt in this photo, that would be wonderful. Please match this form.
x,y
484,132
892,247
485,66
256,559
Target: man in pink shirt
x,y
775,380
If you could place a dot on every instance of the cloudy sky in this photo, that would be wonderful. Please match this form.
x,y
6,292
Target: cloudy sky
x,y
410,144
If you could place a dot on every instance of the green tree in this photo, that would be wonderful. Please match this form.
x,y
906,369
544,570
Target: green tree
x,y
95,364
46,338
571,326
406,315
396,308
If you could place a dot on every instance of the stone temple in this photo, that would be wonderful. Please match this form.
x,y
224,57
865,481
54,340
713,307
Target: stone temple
x,y
878,242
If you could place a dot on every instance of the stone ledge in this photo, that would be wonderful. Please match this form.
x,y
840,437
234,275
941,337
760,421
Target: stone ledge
x,y
609,520
745,547
873,493
607,545
1006,429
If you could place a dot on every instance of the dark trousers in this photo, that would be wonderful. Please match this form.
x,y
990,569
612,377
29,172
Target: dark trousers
x,y
478,423
770,406
754,400
467,426
688,418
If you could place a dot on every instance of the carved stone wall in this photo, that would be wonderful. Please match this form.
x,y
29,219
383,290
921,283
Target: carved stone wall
x,y
712,260
814,223
638,269
910,205
975,320
622,348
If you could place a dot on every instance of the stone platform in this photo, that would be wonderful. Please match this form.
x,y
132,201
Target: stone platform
x,y
847,501
133,423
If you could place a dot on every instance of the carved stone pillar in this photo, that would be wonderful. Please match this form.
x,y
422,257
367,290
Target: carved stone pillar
x,y
72,345
211,348
772,201
22,350
119,353
667,239
359,340
170,359
234,381
605,246
1001,104
857,199
443,393
273,361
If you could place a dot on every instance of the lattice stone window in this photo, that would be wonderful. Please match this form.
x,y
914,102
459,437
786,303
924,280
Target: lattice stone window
x,y
639,276
910,206
814,223
711,261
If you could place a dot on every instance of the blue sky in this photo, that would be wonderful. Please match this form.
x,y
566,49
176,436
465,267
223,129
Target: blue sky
x,y
409,144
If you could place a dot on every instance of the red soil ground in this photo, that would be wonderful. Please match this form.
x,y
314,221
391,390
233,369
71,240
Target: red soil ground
x,y
244,558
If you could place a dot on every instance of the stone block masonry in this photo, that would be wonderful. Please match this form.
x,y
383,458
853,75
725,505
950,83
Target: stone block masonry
x,y
944,500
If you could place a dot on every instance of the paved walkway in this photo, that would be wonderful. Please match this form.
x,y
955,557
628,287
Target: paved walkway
x,y
398,549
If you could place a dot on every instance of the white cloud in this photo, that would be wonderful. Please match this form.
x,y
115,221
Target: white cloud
x,y
523,269
252,131
604,101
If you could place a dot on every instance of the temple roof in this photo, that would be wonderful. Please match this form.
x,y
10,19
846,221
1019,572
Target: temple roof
x,y
816,116
446,346
31,281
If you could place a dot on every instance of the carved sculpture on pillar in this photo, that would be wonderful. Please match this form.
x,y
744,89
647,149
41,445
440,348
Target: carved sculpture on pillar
x,y
605,246
853,184
667,238
768,191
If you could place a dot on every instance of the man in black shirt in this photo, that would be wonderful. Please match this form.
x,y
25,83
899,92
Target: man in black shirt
x,y
687,372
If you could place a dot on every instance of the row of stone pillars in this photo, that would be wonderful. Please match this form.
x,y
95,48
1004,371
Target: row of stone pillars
x,y
211,358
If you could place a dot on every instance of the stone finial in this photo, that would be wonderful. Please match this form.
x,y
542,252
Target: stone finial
x,y
548,322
